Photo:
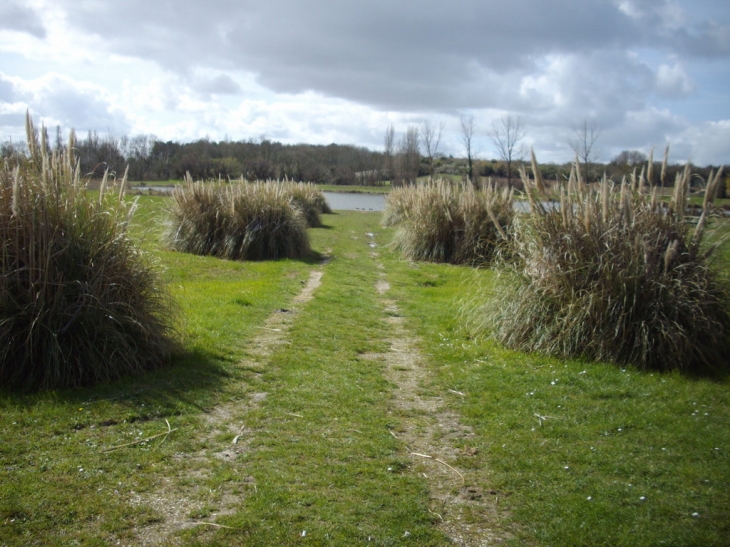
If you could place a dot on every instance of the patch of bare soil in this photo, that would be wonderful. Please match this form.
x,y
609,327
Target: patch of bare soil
x,y
431,433
180,499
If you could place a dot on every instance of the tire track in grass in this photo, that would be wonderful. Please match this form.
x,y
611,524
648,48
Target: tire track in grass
x,y
179,499
429,431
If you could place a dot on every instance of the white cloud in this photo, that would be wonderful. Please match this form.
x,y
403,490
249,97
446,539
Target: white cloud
x,y
673,81
60,100
328,71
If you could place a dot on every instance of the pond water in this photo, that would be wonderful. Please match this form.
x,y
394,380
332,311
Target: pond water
x,y
355,202
350,201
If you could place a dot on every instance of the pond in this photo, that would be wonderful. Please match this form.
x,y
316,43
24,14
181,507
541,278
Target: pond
x,y
355,202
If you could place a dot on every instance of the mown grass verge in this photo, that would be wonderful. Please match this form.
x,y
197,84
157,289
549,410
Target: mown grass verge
x,y
578,453
58,485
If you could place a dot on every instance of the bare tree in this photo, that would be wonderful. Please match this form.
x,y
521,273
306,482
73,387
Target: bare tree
x,y
507,132
431,137
409,156
583,143
390,152
468,128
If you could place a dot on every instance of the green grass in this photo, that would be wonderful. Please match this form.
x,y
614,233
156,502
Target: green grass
x,y
318,447
607,436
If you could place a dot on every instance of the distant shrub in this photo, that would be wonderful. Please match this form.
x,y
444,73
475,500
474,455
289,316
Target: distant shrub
x,y
443,222
79,302
238,221
613,275
309,199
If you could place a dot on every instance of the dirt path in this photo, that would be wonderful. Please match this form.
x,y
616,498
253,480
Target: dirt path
x,y
430,432
427,430
179,499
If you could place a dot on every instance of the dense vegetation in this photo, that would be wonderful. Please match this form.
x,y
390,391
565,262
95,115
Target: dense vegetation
x,y
615,275
444,222
151,159
79,303
244,221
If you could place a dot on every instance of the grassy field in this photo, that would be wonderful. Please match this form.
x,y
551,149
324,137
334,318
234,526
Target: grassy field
x,y
338,401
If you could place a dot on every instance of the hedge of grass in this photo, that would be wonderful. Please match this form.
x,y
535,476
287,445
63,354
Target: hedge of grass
x,y
238,221
442,222
616,275
79,302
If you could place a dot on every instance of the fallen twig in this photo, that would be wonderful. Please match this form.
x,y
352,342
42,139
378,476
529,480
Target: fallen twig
x,y
463,480
541,418
457,392
140,441
216,525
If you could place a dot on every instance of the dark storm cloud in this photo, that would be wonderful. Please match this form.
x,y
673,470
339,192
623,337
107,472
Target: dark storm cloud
x,y
14,16
390,54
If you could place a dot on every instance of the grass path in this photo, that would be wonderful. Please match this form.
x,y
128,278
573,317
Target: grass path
x,y
343,449
429,432
330,440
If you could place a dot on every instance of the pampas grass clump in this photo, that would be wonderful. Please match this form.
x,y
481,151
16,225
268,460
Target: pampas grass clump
x,y
309,199
614,275
79,303
238,221
442,222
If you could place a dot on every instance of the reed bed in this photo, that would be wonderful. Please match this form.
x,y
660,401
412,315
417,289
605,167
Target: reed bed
x,y
614,275
238,221
79,303
442,222
309,199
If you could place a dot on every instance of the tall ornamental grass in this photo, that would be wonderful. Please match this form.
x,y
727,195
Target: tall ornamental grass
x,y
614,274
79,303
238,221
442,222
309,199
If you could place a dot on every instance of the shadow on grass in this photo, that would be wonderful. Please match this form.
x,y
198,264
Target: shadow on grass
x,y
193,381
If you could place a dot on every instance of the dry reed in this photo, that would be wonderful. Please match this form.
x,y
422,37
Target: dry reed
x,y
238,221
614,275
79,302
442,222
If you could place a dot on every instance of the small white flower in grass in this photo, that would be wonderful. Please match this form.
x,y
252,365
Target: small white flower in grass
x,y
619,429
695,515
642,498
583,372
406,534
566,467
589,498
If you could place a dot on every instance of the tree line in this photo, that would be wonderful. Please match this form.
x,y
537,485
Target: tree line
x,y
415,153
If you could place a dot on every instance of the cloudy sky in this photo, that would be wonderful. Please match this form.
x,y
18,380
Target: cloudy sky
x,y
646,72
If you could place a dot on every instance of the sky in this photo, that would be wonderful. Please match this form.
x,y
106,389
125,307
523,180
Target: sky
x,y
643,72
